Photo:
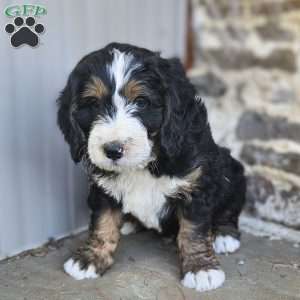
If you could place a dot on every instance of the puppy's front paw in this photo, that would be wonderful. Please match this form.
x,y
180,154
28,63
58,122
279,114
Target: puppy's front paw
x,y
204,280
226,244
74,269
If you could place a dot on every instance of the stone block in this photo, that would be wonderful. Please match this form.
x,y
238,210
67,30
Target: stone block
x,y
240,59
285,161
272,31
271,7
209,84
254,125
273,201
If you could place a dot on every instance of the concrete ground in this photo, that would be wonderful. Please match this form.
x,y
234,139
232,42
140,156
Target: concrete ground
x,y
147,268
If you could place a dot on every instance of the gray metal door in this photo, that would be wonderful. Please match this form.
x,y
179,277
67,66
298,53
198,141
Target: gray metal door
x,y
42,192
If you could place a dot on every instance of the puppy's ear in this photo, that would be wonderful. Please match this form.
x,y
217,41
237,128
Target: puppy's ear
x,y
71,130
179,98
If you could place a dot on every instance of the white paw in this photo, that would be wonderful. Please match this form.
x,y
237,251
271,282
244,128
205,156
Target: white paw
x,y
128,228
204,280
74,270
226,244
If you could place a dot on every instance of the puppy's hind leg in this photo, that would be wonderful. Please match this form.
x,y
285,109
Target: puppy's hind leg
x,y
226,232
199,266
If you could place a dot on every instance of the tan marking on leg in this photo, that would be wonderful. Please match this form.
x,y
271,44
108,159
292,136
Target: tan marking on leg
x,y
195,250
101,243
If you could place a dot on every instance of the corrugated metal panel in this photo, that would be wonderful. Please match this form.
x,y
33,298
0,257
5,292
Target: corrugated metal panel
x,y
42,192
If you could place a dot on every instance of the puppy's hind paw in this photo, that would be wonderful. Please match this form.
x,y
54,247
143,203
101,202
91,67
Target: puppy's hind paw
x,y
204,280
226,244
128,228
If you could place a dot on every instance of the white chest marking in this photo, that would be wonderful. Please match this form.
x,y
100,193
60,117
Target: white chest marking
x,y
141,194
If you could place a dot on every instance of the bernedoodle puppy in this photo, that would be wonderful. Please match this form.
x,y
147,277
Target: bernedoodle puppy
x,y
133,119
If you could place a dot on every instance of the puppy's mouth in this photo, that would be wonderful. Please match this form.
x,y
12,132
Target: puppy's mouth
x,y
125,164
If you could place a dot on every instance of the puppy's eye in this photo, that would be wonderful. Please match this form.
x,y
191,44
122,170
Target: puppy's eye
x,y
141,102
89,104
88,101
86,113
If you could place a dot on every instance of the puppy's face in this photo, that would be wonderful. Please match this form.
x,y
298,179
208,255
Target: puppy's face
x,y
118,104
124,105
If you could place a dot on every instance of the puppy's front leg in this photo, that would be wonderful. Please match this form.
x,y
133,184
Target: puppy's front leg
x,y
199,265
96,255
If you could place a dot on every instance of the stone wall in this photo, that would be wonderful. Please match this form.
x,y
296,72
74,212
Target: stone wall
x,y
247,71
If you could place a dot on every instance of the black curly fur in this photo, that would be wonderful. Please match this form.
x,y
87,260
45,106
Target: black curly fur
x,y
179,128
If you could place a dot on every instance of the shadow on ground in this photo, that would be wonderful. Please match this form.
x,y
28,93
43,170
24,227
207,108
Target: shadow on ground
x,y
147,268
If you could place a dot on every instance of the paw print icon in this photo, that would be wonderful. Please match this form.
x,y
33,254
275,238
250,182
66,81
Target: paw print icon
x,y
24,31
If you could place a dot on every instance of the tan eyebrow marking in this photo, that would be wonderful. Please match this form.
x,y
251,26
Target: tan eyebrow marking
x,y
95,88
133,89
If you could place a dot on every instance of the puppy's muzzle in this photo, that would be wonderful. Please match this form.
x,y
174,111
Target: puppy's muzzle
x,y
113,150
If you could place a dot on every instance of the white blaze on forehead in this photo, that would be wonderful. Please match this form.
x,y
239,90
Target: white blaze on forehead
x,y
123,124
121,68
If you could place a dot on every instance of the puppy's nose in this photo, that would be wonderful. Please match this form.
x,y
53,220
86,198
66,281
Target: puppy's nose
x,y
113,150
